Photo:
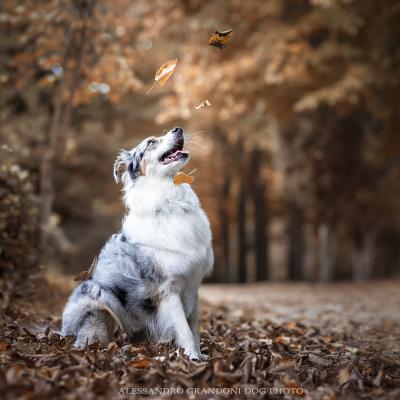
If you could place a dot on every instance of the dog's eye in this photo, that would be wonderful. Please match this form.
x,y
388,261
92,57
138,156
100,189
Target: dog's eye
x,y
151,142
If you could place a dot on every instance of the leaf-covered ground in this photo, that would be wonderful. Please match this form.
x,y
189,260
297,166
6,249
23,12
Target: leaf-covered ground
x,y
263,341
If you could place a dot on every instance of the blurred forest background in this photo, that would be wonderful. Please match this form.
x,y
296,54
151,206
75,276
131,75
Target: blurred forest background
x,y
298,156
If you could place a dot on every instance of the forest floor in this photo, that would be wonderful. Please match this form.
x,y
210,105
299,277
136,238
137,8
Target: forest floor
x,y
273,340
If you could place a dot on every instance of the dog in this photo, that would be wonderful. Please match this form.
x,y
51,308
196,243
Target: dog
x,y
147,276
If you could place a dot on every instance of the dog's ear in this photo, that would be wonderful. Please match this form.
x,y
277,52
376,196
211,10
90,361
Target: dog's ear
x,y
127,164
121,165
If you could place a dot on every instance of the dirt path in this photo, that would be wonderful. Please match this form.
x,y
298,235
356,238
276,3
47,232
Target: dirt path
x,y
336,308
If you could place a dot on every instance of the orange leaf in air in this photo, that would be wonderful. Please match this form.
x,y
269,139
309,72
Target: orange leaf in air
x,y
164,73
205,103
181,177
220,38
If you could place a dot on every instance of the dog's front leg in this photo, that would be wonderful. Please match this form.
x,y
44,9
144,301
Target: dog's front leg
x,y
171,319
194,326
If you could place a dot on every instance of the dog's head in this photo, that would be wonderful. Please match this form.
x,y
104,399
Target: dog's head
x,y
154,157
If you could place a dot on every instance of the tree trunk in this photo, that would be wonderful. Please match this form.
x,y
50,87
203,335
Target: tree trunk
x,y
296,255
363,260
46,177
74,49
225,229
260,217
58,130
242,240
223,274
326,253
261,235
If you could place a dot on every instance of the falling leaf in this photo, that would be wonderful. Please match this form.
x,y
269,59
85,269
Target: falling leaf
x,y
164,73
181,177
205,103
220,38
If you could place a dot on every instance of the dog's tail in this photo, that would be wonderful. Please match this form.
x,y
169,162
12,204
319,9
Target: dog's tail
x,y
97,325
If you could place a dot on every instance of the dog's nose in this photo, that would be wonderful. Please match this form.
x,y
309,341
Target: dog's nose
x,y
177,130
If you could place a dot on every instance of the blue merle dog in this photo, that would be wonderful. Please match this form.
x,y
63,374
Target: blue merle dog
x,y
147,276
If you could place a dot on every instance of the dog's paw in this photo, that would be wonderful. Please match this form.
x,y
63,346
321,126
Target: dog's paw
x,y
80,344
192,354
197,356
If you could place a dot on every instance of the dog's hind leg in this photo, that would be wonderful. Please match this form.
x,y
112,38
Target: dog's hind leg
x,y
95,325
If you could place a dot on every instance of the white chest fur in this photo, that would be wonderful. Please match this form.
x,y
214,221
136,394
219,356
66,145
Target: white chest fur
x,y
169,221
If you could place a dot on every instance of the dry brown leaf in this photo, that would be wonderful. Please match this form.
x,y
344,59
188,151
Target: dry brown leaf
x,y
344,375
198,371
164,73
84,275
291,325
327,339
92,266
220,38
319,360
292,384
282,340
283,365
13,373
378,379
3,346
142,363
181,177
239,350
205,103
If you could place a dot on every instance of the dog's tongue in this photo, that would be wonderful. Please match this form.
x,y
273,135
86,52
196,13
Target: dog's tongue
x,y
178,152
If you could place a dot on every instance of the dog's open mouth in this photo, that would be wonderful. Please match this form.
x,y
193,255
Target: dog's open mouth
x,y
176,153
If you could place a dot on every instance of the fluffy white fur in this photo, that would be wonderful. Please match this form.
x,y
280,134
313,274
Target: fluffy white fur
x,y
166,225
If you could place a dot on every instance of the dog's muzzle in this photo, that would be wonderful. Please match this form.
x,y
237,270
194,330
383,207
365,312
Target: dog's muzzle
x,y
176,153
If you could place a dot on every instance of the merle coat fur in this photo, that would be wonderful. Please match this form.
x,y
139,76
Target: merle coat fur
x,y
147,276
